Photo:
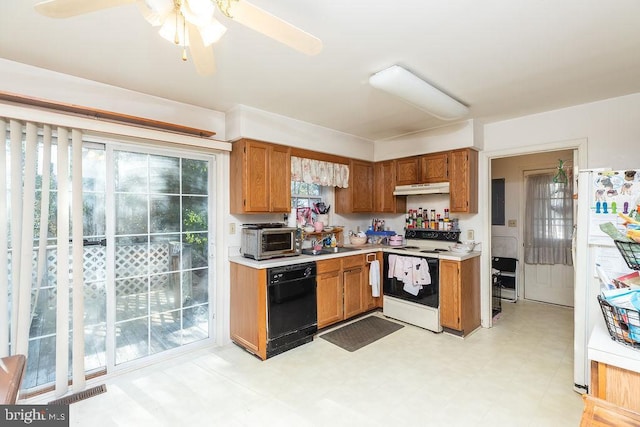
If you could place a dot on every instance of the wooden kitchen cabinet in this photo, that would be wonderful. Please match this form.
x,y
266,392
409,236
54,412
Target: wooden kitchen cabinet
x,y
260,180
352,279
434,167
384,182
407,171
463,181
358,197
460,295
353,283
368,301
248,308
343,289
329,292
616,385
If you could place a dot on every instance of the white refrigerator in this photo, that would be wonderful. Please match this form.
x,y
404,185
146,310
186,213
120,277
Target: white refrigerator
x,y
602,194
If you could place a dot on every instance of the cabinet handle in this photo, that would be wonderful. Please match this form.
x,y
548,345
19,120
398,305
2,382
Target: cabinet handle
x,y
370,260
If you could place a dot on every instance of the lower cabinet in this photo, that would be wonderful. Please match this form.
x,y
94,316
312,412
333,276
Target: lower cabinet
x,y
368,300
329,292
343,289
248,308
616,385
460,295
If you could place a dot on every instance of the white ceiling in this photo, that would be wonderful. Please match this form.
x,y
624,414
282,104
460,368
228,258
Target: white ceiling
x,y
502,58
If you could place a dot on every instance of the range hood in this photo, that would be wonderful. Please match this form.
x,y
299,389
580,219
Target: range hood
x,y
417,189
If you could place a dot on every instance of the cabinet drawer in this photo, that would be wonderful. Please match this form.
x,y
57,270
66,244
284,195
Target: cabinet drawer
x,y
352,261
328,265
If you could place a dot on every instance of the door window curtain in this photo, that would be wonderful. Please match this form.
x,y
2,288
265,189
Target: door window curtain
x,y
318,172
26,203
548,220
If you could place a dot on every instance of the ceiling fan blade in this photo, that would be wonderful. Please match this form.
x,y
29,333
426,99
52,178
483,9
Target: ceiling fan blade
x,y
201,55
69,8
274,27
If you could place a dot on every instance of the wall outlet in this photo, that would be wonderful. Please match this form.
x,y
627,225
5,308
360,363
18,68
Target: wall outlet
x,y
470,235
232,228
512,223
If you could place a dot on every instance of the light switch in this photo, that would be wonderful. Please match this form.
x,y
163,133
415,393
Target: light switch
x,y
470,234
232,228
512,223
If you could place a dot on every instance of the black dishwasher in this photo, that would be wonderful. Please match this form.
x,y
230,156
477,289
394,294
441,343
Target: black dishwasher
x,y
291,310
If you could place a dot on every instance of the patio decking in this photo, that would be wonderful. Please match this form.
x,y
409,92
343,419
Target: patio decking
x,y
150,322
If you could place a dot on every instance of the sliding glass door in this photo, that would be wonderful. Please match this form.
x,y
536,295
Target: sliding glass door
x,y
160,252
147,278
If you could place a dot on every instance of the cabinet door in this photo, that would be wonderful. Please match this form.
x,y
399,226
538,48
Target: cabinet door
x,y
362,186
463,181
470,294
352,282
450,294
368,301
329,298
256,177
358,197
280,179
434,167
248,308
384,182
407,171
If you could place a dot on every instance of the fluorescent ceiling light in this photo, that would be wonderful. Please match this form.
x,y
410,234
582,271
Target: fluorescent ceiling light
x,y
402,83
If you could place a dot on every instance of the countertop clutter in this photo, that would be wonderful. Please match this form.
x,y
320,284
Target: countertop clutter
x,y
345,250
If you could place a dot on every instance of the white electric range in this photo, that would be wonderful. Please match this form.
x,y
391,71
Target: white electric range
x,y
411,277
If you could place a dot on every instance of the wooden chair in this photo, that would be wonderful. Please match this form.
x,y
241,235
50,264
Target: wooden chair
x,y
10,381
600,413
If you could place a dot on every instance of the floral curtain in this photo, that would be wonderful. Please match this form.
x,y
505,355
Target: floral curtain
x,y
318,172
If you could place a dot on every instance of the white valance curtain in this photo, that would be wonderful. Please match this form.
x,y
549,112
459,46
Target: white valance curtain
x,y
318,172
30,179
548,220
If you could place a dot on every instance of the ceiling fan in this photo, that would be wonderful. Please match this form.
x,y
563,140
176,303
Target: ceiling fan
x,y
193,23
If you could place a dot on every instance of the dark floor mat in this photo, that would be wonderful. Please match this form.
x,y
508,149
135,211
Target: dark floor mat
x,y
361,333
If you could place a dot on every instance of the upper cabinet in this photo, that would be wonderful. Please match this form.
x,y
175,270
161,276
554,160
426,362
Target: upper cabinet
x,y
423,169
407,171
463,181
358,197
260,180
384,182
434,168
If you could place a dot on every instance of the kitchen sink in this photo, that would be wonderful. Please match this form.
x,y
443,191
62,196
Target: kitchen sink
x,y
327,251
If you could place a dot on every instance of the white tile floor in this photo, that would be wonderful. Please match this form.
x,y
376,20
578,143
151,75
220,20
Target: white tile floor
x,y
518,373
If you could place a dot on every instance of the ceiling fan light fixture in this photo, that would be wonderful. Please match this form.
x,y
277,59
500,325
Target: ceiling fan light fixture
x,y
155,12
212,32
406,85
198,12
172,29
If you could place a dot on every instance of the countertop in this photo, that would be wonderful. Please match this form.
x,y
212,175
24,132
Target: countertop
x,y
364,249
603,349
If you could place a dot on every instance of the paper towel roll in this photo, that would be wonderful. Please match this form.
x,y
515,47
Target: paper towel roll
x,y
292,220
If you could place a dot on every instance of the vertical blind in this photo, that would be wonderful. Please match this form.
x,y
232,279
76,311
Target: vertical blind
x,y
25,209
